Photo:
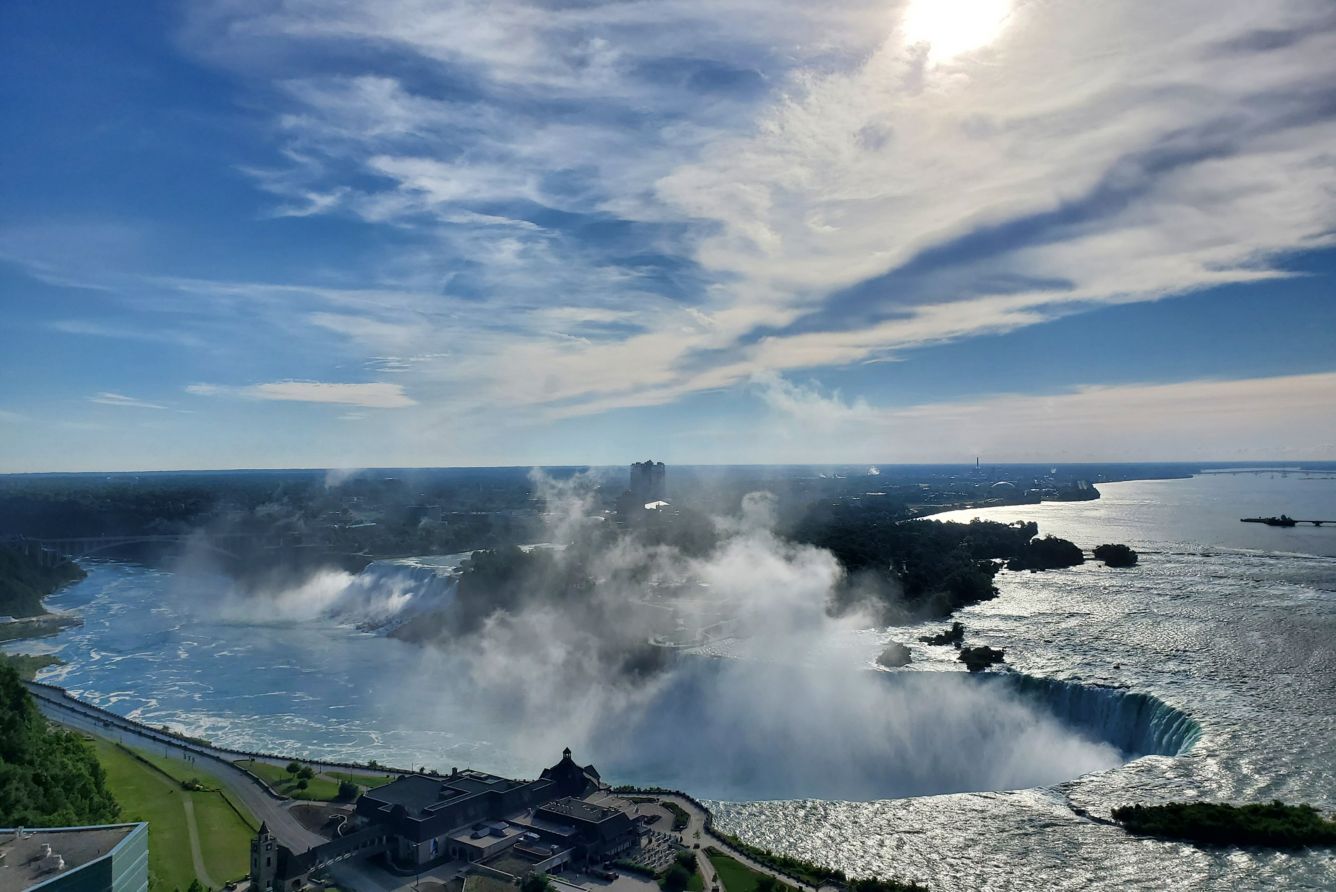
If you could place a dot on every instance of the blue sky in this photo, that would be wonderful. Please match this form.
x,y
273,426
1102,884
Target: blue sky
x,y
282,233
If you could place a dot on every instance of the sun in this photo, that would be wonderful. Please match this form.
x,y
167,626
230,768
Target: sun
x,y
951,27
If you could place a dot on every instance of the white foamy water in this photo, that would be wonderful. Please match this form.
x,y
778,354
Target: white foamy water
x,y
1229,624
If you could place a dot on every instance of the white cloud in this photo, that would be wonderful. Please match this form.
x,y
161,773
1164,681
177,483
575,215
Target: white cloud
x,y
1094,154
1256,418
107,398
159,334
371,395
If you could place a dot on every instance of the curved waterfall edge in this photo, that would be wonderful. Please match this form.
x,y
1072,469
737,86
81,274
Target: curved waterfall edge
x,y
1137,723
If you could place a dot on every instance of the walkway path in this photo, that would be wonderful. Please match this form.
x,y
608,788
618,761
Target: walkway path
x,y
195,854
697,831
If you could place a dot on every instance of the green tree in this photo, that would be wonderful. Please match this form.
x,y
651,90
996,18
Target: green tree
x,y
293,768
348,791
307,773
536,882
47,778
676,879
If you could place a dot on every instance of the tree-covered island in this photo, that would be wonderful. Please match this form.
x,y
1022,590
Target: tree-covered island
x,y
1273,825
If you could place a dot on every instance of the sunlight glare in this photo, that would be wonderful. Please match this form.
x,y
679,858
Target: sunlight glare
x,y
952,27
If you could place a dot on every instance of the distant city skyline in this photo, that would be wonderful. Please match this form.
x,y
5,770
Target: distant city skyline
x,y
317,233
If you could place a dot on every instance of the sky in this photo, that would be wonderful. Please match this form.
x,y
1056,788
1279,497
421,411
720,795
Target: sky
x,y
318,233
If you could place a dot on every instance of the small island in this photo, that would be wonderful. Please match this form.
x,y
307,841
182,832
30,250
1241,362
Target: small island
x,y
1116,555
894,656
954,636
1048,553
1274,825
977,659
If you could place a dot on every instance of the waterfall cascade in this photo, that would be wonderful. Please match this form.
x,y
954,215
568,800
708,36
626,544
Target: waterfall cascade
x,y
1137,723
388,593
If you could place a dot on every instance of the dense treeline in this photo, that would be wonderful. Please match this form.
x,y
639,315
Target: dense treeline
x,y
1275,824
261,525
25,581
923,568
872,884
48,778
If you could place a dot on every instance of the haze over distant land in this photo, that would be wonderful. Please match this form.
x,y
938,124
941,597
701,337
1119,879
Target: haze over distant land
x,y
316,233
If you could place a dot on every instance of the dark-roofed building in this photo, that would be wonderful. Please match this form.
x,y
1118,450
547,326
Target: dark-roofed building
x,y
420,820
593,832
572,779
276,868
422,812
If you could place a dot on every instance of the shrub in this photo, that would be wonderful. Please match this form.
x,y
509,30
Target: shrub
x,y
676,879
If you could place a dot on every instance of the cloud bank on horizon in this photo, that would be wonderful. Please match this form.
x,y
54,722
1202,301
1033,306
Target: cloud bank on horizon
x,y
496,229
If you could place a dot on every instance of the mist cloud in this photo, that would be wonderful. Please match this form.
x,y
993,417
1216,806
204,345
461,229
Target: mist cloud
x,y
723,672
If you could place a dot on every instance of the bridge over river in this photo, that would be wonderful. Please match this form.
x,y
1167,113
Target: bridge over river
x,y
52,549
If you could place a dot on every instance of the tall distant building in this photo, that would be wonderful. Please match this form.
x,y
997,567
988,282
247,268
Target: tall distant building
x,y
648,481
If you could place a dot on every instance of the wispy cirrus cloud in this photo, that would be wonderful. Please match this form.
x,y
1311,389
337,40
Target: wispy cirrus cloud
x,y
792,190
564,210
370,395
157,334
109,398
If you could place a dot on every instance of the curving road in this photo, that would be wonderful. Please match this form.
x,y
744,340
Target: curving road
x,y
274,812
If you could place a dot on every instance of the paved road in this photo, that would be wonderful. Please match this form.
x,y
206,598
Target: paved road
x,y
273,812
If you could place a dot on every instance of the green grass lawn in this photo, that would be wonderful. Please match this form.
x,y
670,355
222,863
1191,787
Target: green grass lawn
x,y
321,788
145,794
370,781
735,876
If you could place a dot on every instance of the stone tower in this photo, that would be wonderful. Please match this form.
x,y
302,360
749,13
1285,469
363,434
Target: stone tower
x,y
263,860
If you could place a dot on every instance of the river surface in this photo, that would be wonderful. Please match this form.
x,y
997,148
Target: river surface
x,y
1233,624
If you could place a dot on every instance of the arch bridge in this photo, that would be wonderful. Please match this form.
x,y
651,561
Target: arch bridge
x,y
52,549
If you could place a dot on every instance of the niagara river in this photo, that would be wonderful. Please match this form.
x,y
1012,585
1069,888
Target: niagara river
x,y
1202,673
